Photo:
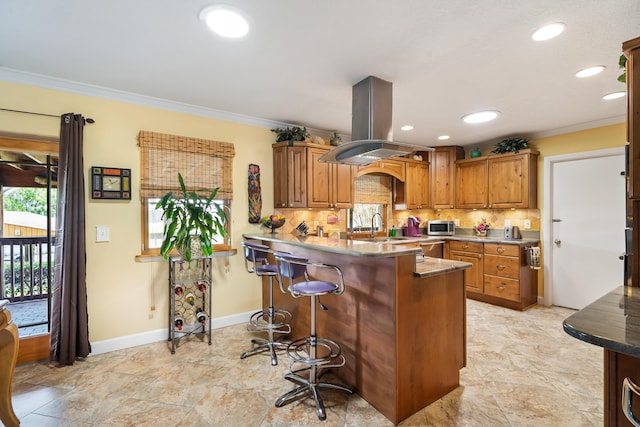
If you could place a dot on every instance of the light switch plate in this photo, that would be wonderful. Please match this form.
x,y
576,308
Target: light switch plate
x,y
527,224
102,233
507,222
456,222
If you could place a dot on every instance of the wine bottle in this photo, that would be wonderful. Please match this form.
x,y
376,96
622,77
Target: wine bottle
x,y
202,287
201,316
190,298
179,290
178,321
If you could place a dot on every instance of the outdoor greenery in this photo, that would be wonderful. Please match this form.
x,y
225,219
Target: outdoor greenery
x,y
33,200
22,280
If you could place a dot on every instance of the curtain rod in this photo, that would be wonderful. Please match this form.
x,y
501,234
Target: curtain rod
x,y
88,119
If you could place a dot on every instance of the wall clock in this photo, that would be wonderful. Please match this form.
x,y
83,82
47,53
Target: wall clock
x,y
110,183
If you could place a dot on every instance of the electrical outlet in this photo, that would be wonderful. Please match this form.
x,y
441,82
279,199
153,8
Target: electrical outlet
x,y
457,222
527,224
507,222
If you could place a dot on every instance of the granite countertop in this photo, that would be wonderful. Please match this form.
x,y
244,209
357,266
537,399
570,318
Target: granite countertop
x,y
376,248
611,322
428,266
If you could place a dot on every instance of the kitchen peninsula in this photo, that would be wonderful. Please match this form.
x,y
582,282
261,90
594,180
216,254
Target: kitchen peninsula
x,y
401,323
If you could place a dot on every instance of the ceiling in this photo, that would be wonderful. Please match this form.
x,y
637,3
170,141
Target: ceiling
x,y
445,59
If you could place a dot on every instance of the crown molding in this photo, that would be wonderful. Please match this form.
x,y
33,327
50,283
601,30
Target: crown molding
x,y
39,80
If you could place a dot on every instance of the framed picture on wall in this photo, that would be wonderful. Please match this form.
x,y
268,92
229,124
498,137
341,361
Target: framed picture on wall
x,y
110,183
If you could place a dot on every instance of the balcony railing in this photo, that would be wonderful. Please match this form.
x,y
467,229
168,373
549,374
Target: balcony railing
x,y
24,268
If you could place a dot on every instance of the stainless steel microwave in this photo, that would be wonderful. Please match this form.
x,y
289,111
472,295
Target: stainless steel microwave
x,y
441,228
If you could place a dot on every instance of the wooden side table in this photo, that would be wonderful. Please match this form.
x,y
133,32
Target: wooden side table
x,y
8,357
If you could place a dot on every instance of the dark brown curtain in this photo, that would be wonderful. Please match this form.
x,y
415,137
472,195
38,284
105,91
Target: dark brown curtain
x,y
69,317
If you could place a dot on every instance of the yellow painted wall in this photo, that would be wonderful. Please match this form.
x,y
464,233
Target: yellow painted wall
x,y
121,291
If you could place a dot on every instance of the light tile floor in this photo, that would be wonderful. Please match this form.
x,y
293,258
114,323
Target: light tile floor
x,y
522,370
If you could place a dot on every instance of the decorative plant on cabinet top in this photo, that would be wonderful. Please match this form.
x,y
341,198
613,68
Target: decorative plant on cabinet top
x,y
294,133
190,219
510,145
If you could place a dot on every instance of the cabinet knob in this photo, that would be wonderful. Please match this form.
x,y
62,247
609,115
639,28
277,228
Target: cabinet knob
x,y
499,249
501,267
501,287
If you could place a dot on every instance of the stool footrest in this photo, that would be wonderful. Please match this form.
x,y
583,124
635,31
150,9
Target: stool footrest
x,y
320,352
270,318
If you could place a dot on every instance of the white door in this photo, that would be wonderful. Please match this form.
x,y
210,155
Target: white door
x,y
587,228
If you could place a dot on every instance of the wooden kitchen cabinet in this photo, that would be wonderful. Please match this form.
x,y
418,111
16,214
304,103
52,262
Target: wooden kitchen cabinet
x,y
442,167
500,274
416,185
395,168
631,49
300,181
289,176
513,181
498,182
471,184
471,252
508,280
330,185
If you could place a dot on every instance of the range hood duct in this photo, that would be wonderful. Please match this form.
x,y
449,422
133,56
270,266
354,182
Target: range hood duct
x,y
371,127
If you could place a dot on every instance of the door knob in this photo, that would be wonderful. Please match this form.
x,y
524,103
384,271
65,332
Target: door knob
x,y
558,242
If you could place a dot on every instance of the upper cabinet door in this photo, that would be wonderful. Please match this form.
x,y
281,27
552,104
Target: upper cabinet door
x,y
289,177
319,188
417,185
442,167
512,181
330,184
507,182
471,184
342,180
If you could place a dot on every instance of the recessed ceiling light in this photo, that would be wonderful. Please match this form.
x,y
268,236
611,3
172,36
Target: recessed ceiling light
x,y
406,127
443,137
614,95
480,117
225,21
591,71
548,31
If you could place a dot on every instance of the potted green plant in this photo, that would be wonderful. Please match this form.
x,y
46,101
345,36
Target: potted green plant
x,y
294,133
190,219
510,145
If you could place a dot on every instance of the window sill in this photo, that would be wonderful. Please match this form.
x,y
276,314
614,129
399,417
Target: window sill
x,y
218,251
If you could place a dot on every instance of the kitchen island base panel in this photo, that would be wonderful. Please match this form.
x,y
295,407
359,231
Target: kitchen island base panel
x,y
403,337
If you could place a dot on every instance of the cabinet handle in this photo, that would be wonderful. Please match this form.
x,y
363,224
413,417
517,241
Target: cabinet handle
x,y
629,388
501,267
465,246
501,287
500,249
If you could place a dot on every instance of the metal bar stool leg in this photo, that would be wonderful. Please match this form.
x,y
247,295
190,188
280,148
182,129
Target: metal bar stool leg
x,y
314,353
270,320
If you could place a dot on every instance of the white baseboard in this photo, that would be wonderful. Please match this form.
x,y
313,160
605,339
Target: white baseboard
x,y
149,337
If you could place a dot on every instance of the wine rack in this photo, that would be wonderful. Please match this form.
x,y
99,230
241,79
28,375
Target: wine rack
x,y
189,299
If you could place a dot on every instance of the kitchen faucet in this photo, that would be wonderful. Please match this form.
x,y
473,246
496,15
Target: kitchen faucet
x,y
373,233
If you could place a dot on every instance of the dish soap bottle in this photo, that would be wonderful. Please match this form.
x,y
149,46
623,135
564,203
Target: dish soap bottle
x,y
392,232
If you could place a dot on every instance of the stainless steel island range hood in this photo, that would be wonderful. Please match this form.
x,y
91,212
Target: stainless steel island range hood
x,y
372,131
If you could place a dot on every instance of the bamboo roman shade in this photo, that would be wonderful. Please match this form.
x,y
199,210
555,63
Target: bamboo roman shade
x,y
204,165
373,189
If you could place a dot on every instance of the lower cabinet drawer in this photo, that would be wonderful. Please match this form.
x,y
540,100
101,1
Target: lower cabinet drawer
x,y
502,266
502,287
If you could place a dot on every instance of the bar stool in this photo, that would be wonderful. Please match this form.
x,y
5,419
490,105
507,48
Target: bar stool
x,y
316,354
270,320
